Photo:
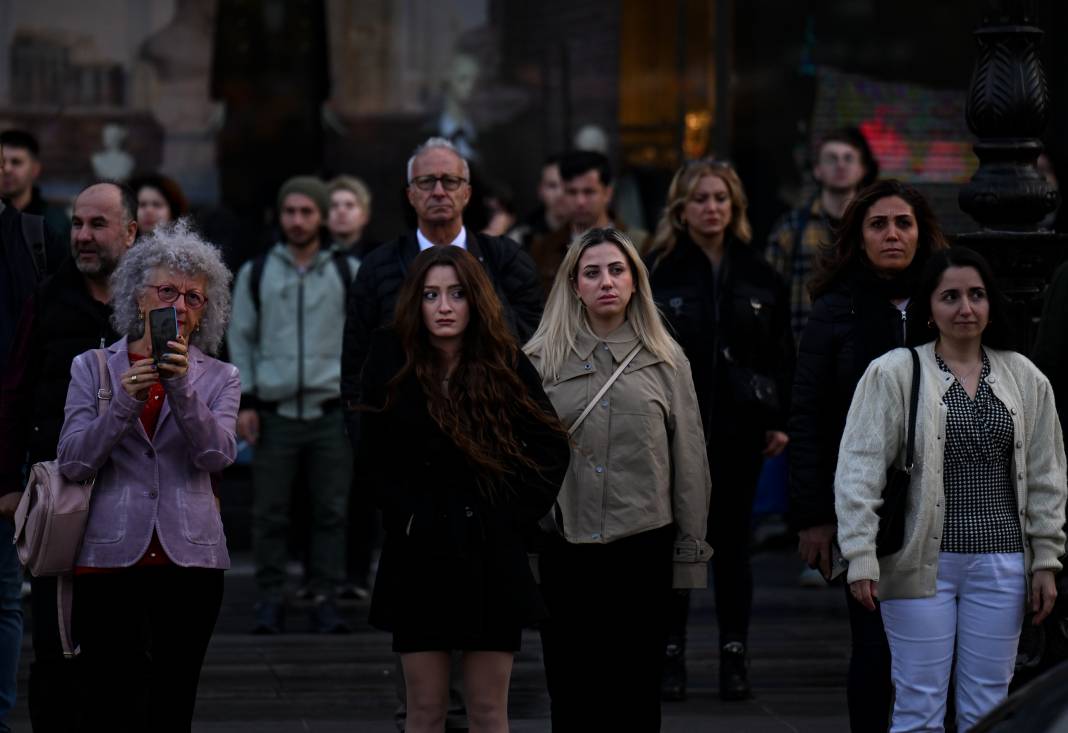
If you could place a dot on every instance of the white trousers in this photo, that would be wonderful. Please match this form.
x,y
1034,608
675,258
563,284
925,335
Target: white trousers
x,y
978,609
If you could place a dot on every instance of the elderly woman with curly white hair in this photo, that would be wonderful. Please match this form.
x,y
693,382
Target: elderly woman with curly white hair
x,y
149,578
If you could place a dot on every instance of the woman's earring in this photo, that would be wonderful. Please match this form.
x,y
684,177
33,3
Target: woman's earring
x,y
930,323
140,315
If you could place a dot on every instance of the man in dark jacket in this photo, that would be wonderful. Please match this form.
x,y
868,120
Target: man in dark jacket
x,y
67,315
29,251
20,171
439,188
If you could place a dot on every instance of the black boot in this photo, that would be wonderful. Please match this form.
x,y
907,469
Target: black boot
x,y
734,672
673,681
325,618
270,617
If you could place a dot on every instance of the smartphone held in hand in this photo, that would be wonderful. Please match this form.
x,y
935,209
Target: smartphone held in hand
x,y
163,324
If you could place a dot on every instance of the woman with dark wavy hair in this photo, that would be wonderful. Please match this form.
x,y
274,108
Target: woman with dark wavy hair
x,y
861,309
465,453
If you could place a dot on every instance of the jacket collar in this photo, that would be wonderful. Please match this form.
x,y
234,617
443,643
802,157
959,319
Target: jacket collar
x,y
409,248
619,342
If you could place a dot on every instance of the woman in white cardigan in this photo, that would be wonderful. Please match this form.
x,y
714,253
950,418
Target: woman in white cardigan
x,y
985,506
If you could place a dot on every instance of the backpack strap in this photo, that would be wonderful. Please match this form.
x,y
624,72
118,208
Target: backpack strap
x,y
34,235
255,279
344,269
799,236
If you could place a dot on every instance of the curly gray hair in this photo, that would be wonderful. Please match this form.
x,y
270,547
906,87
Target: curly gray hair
x,y
179,248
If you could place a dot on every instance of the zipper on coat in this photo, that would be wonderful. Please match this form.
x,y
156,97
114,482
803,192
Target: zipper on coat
x,y
300,344
904,327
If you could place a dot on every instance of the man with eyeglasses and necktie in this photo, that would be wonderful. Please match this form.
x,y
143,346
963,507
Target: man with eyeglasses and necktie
x,y
285,339
439,188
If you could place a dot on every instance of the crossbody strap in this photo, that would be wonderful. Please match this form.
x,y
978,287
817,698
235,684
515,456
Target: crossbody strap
x,y
604,388
914,402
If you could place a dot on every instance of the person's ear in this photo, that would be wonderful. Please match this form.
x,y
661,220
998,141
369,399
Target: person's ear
x,y
130,235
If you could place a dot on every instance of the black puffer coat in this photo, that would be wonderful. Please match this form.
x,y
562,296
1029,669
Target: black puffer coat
x,y
743,321
848,327
454,564
373,296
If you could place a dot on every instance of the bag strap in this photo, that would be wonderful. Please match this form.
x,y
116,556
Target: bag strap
x,y
103,394
604,388
64,605
255,277
914,401
65,583
344,270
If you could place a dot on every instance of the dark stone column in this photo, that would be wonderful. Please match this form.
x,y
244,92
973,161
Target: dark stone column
x,y
1007,110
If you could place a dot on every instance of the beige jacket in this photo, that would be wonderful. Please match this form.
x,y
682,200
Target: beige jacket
x,y
874,439
638,460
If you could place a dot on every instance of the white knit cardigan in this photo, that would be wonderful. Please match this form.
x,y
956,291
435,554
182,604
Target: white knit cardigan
x,y
874,439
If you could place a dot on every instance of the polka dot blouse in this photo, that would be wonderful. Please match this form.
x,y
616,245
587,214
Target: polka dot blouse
x,y
980,497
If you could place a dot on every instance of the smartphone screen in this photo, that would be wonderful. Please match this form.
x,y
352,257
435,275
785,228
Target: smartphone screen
x,y
163,324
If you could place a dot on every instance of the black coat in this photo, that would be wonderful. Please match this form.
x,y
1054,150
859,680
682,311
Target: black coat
x,y
452,561
848,327
62,321
373,297
18,273
737,323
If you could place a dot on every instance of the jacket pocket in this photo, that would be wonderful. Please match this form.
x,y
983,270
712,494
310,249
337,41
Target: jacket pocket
x,y
107,515
201,523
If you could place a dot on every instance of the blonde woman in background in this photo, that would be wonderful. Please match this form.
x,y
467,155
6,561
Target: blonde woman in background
x,y
632,512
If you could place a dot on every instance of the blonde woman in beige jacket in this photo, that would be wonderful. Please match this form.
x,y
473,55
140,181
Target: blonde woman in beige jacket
x,y
632,512
985,506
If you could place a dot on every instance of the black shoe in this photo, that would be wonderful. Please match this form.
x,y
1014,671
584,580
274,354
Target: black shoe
x,y
325,618
673,680
734,672
269,618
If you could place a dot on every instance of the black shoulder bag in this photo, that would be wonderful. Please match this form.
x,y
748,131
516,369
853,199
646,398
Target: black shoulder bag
x,y
891,533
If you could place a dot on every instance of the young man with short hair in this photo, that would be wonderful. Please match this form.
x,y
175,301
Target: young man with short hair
x,y
285,340
843,165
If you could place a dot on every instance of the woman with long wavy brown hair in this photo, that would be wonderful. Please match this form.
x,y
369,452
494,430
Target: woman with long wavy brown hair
x,y
465,454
